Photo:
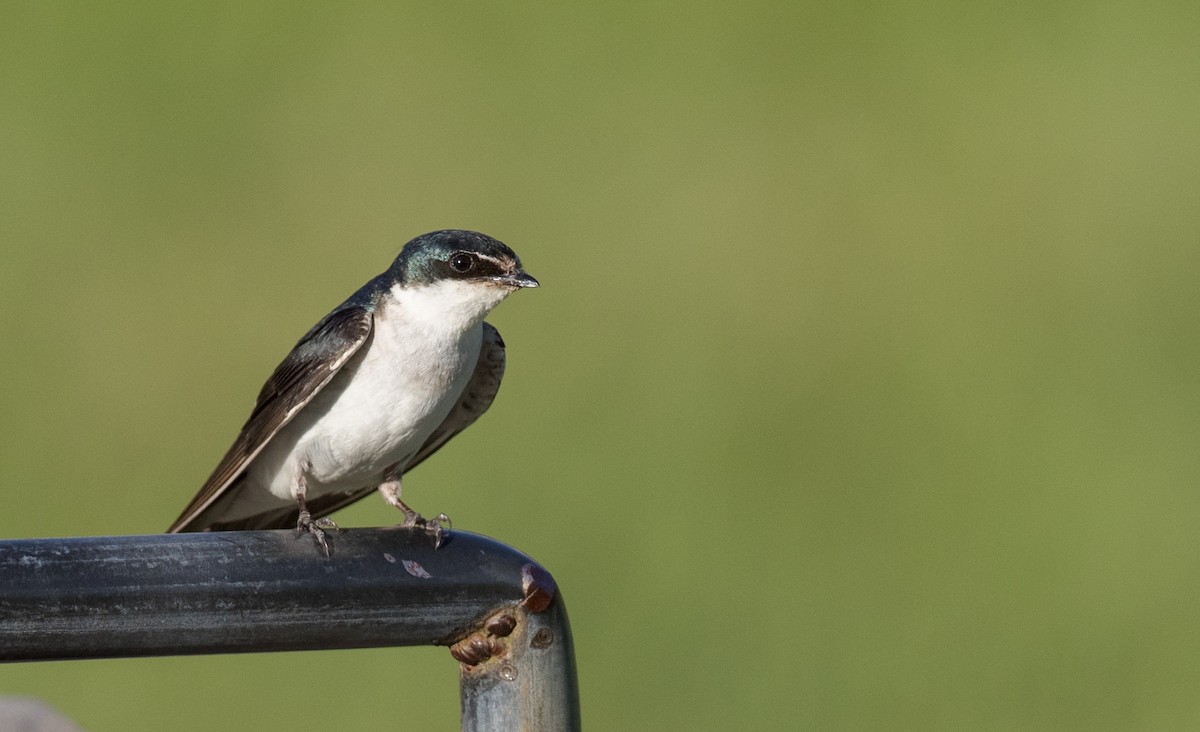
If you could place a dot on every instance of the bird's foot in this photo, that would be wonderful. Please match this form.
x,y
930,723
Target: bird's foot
x,y
316,527
438,527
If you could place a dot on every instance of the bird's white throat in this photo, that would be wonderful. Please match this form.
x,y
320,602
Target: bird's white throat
x,y
446,307
425,343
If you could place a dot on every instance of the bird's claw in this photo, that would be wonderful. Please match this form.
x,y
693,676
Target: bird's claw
x,y
316,527
434,526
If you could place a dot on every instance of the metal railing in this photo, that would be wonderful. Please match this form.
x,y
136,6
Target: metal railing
x,y
251,591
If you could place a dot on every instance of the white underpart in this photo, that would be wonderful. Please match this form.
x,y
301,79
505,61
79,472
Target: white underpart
x,y
387,399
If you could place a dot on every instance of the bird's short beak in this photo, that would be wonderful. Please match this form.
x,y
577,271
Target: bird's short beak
x,y
516,279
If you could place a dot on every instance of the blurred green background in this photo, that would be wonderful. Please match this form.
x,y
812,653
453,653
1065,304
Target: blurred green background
x,y
861,392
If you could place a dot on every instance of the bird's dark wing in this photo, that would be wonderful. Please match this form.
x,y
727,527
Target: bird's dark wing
x,y
306,370
475,399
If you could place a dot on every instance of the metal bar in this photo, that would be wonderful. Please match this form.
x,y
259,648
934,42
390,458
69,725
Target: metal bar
x,y
531,684
252,591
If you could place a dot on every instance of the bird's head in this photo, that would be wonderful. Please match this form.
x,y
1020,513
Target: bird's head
x,y
460,270
463,256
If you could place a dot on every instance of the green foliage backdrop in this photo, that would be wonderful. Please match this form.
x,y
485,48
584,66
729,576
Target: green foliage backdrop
x,y
861,393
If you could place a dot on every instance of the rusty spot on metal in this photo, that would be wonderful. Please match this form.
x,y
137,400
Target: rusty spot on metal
x,y
538,586
543,638
476,648
501,625
485,642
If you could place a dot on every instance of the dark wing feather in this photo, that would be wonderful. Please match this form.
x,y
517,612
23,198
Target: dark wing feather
x,y
477,396
306,370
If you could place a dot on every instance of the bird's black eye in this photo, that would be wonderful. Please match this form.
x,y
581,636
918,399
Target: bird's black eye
x,y
462,261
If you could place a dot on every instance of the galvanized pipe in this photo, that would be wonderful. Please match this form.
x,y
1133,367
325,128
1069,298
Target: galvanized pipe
x,y
252,591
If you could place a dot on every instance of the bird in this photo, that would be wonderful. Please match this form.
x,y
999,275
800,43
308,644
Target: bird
x,y
369,392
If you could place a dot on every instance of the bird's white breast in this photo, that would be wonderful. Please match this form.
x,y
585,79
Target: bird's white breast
x,y
389,397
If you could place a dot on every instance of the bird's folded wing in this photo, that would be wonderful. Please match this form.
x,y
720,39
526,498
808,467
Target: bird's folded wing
x,y
314,361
